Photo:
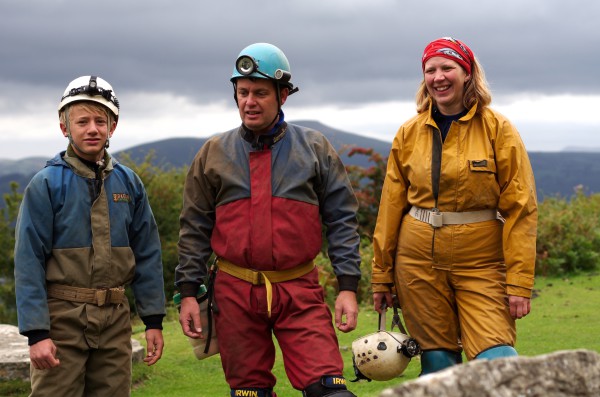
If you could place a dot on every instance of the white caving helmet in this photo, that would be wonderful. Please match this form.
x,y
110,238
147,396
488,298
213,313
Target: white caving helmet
x,y
383,355
91,88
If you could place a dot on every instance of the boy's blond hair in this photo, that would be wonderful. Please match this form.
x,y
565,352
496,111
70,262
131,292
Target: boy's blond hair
x,y
89,106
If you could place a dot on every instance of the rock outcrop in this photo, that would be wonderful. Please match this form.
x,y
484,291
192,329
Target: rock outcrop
x,y
563,373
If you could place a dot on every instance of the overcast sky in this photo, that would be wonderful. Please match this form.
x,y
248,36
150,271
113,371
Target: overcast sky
x,y
357,63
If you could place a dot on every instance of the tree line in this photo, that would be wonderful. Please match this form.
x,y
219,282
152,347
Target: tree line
x,y
568,240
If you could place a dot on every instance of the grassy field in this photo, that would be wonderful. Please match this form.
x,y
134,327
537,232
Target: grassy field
x,y
564,316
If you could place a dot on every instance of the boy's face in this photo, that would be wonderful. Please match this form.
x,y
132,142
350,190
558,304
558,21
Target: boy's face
x,y
90,130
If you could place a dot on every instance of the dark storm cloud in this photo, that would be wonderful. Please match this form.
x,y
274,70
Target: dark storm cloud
x,y
340,51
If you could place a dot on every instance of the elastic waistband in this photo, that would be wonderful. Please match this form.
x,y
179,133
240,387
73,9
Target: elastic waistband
x,y
96,296
438,219
267,277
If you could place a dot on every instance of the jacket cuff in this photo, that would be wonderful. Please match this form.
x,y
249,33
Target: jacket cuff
x,y
520,281
188,289
36,335
381,287
518,291
348,283
153,322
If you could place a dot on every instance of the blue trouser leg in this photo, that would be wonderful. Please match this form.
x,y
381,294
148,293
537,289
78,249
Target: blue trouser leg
x,y
497,352
436,360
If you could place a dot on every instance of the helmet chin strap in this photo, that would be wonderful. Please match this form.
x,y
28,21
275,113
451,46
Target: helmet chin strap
x,y
278,89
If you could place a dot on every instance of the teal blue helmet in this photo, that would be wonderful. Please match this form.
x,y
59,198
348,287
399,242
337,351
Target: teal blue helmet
x,y
263,61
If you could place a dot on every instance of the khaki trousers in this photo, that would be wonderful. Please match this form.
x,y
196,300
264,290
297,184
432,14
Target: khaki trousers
x,y
94,348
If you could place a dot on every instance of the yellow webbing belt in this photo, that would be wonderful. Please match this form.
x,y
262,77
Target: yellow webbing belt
x,y
266,277
96,296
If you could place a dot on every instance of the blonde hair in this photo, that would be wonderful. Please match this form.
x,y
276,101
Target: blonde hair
x,y
92,107
477,90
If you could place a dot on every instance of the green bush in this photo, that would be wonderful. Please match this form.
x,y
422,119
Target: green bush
x,y
8,216
568,240
165,193
328,279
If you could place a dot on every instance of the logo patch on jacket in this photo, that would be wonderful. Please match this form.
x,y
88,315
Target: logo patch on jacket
x,y
479,163
121,198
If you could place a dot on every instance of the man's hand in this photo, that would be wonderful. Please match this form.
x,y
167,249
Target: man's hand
x,y
43,355
381,301
155,344
519,306
189,317
345,305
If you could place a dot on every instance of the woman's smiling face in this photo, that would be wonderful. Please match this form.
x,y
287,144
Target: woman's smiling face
x,y
445,81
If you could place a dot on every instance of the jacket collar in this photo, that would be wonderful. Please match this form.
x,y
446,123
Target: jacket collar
x,y
470,114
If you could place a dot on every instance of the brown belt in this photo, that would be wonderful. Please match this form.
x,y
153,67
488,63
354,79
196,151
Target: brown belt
x,y
96,296
266,277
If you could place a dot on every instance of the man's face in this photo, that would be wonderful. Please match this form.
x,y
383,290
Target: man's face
x,y
257,103
89,130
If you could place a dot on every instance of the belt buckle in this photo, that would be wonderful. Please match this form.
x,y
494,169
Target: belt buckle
x,y
257,278
437,219
103,296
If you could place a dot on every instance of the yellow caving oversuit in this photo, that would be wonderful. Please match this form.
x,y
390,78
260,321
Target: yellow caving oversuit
x,y
453,281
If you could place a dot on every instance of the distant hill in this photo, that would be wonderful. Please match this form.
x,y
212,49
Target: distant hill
x,y
22,166
556,173
19,171
179,152
561,172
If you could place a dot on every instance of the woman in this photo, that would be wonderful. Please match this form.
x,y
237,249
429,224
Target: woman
x,y
456,229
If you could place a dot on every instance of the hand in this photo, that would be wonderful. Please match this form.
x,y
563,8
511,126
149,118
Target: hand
x,y
381,301
43,355
155,344
189,317
519,306
345,305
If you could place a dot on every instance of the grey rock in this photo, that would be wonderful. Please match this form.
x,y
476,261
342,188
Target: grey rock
x,y
14,353
563,373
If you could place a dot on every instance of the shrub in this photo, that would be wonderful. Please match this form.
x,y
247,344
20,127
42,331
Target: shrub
x,y
568,239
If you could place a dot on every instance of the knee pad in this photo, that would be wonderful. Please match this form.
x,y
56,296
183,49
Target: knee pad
x,y
436,360
497,352
252,392
329,385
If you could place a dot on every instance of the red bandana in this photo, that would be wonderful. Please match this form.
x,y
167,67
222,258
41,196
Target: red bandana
x,y
450,48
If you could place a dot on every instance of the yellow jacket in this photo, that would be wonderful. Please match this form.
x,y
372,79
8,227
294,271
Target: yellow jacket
x,y
484,166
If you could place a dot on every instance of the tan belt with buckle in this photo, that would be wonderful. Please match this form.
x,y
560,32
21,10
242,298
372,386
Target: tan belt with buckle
x,y
96,296
438,219
266,277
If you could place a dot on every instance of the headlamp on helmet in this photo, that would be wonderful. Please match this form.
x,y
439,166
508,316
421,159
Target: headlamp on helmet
x,y
246,65
90,88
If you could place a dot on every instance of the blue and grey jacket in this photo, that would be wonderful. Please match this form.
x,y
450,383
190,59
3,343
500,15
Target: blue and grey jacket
x,y
89,230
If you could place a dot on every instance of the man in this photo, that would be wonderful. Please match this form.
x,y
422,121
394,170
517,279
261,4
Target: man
x,y
85,231
256,196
